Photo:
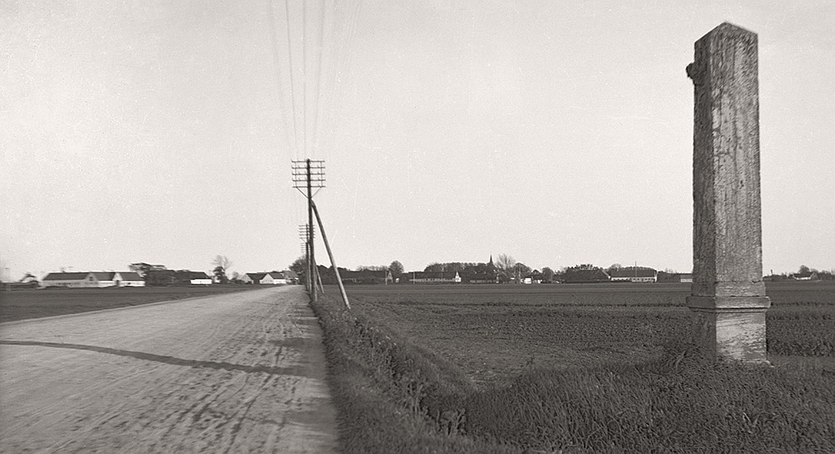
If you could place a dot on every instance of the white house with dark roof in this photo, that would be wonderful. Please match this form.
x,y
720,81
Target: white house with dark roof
x,y
128,279
93,279
634,274
199,278
253,278
71,280
102,278
438,277
274,278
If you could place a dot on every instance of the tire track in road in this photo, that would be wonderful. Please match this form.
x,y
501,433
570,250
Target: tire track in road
x,y
241,372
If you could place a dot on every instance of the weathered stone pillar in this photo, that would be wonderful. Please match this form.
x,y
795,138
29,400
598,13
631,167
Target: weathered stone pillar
x,y
728,293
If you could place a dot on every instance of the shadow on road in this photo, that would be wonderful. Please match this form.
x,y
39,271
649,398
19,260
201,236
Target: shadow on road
x,y
161,358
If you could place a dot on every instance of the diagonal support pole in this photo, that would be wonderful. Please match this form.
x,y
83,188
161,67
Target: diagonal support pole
x,y
330,254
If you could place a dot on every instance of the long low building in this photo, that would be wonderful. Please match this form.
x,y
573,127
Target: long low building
x,y
441,277
633,274
93,279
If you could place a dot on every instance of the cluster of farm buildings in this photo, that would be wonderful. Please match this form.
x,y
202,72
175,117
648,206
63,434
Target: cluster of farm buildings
x,y
142,274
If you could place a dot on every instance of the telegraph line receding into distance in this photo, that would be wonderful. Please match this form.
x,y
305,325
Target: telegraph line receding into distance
x,y
309,173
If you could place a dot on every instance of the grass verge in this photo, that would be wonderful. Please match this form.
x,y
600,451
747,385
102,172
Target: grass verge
x,y
392,396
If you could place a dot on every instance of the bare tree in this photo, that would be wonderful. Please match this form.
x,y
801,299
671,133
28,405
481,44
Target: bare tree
x,y
222,261
221,266
505,262
506,265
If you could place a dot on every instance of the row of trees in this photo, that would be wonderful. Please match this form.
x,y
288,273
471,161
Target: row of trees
x,y
504,269
507,269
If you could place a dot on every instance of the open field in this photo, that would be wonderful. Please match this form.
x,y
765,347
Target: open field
x,y
495,332
572,368
28,304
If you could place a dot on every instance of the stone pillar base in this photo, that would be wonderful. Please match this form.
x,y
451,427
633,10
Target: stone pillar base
x,y
731,328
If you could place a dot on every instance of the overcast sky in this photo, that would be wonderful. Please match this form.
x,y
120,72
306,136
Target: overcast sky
x,y
556,132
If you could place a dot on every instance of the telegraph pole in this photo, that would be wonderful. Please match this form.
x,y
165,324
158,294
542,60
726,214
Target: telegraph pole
x,y
309,175
304,235
312,262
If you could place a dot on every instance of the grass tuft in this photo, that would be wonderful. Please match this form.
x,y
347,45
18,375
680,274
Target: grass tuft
x,y
680,403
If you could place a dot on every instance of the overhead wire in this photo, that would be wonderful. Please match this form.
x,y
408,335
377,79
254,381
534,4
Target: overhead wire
x,y
317,105
291,142
279,79
329,57
344,19
304,75
292,82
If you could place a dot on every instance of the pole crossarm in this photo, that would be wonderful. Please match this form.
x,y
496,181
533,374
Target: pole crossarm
x,y
316,175
305,232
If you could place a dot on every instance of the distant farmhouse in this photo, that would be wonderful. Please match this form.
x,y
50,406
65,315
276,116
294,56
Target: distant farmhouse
x,y
253,278
95,279
274,278
270,278
805,276
176,277
482,278
199,278
585,275
633,274
440,277
292,277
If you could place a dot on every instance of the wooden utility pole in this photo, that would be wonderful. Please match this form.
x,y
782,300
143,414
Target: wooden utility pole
x,y
312,262
309,175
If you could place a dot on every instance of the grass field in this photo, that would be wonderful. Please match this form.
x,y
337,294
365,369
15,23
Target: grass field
x,y
579,368
27,304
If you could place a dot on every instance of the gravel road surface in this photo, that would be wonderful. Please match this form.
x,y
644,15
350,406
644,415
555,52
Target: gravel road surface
x,y
241,372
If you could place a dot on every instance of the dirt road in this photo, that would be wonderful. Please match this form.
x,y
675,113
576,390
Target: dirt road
x,y
241,372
